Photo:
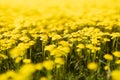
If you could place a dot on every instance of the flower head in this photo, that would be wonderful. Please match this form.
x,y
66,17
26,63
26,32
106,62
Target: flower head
x,y
116,53
92,66
108,57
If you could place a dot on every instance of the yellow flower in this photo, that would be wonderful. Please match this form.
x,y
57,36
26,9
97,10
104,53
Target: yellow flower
x,y
81,46
27,61
65,50
31,42
59,60
16,52
106,67
64,43
89,46
25,39
48,64
11,74
115,75
50,47
3,56
116,53
108,57
57,52
43,78
106,39
117,61
56,37
25,71
39,66
18,59
92,66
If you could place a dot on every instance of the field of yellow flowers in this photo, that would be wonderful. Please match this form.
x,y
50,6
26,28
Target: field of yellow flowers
x,y
59,40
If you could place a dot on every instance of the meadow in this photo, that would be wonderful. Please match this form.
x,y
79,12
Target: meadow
x,y
59,40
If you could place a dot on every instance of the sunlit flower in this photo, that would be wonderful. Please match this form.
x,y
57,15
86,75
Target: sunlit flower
x,y
115,75
27,69
3,56
81,46
106,67
26,60
116,53
50,47
18,59
117,61
59,60
43,78
48,64
39,66
15,52
108,57
64,43
92,66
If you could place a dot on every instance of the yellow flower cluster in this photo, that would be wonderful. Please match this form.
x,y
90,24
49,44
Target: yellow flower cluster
x,y
48,36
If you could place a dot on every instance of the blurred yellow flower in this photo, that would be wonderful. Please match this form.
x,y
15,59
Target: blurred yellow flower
x,y
106,67
25,39
39,66
27,61
56,52
81,46
63,43
92,66
50,47
117,61
56,37
116,53
108,57
115,75
49,64
43,78
59,60
65,50
27,69
15,52
3,56
18,59
11,74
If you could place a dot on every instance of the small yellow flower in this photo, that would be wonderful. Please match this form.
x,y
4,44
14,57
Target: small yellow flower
x,y
81,46
50,47
48,64
56,37
65,50
27,61
115,75
64,43
39,66
25,39
18,59
59,61
3,56
108,57
56,52
116,53
26,70
92,66
43,78
106,67
106,39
